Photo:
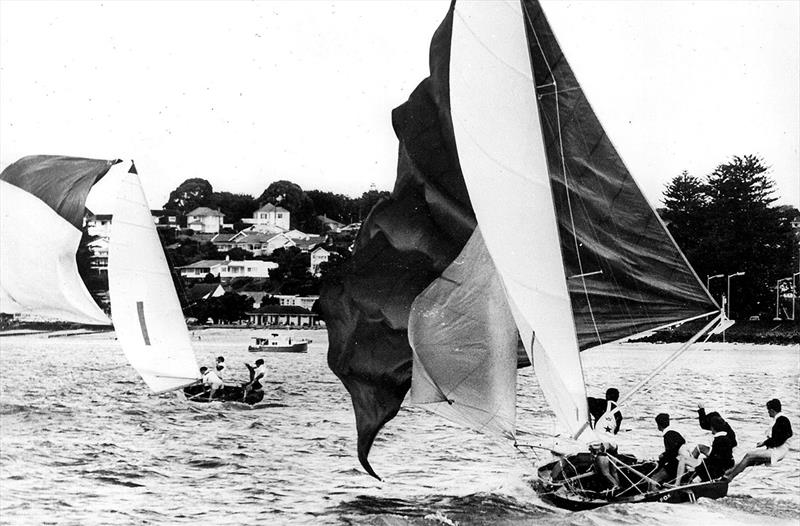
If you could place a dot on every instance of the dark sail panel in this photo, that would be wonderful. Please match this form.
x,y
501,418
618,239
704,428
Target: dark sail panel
x,y
61,182
625,273
404,244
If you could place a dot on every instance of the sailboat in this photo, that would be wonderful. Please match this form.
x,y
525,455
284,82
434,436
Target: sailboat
x,y
513,222
147,314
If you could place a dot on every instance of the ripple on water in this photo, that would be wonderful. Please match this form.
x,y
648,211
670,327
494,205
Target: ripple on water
x,y
98,442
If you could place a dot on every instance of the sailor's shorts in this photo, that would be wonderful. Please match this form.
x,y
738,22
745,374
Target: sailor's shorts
x,y
776,454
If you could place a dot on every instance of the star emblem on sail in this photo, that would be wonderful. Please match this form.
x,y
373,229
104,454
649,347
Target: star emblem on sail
x,y
513,219
42,206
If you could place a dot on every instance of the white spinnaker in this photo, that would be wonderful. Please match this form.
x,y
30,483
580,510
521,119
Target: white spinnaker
x,y
501,152
464,344
38,271
144,306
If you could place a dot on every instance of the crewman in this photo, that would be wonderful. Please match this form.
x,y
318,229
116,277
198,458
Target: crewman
x,y
258,376
211,381
720,457
776,444
605,415
220,366
704,420
668,460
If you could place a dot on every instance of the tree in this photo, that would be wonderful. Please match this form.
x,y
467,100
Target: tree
x,y
685,200
290,196
189,195
727,225
234,206
227,308
368,200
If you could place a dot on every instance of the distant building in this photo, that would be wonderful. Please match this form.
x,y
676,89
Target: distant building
x,y
270,215
294,300
98,225
204,219
318,256
98,258
227,269
166,218
282,315
203,291
329,224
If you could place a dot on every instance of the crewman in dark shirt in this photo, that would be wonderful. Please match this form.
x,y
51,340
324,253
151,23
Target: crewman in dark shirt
x,y
704,419
599,407
720,457
668,460
776,444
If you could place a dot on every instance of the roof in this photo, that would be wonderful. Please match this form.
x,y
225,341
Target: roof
x,y
201,291
309,243
205,263
269,207
282,309
332,223
205,211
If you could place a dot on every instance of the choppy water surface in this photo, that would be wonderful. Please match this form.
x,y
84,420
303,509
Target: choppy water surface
x,y
82,442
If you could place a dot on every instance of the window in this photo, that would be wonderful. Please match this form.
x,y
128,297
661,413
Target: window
x,y
280,216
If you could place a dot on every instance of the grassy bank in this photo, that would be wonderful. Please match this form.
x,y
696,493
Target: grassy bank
x,y
757,332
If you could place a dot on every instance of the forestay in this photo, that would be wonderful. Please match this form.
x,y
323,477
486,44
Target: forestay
x,y
145,309
464,345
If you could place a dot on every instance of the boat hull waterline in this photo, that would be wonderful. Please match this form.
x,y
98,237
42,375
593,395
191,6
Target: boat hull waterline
x,y
295,348
560,495
229,393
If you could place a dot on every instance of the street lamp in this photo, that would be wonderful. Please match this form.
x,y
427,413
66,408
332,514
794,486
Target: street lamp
x,y
778,298
729,290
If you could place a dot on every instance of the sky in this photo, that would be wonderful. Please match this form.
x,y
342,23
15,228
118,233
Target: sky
x,y
246,93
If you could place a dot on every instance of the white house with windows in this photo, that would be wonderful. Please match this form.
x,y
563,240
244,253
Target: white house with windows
x,y
318,256
228,269
204,219
271,215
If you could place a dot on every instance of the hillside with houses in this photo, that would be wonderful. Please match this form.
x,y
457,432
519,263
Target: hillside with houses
x,y
259,269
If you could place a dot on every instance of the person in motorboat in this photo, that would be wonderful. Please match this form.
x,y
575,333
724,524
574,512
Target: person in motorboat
x,y
211,381
667,468
776,444
605,415
258,375
719,456
704,419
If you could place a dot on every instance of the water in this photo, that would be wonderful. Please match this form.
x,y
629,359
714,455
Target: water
x,y
82,442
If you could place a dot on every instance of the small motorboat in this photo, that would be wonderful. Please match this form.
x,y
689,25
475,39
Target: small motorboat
x,y
576,486
276,342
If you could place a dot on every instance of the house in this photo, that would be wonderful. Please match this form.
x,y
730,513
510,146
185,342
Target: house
x,y
329,224
98,255
306,302
318,256
249,268
98,225
200,269
227,269
166,218
204,219
203,291
282,315
270,215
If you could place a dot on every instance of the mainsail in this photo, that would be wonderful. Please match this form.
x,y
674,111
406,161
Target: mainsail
x,y
42,205
145,309
580,255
